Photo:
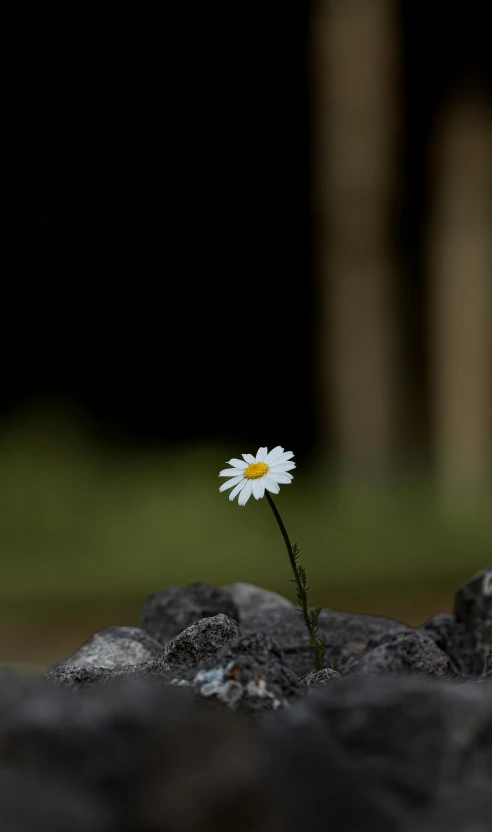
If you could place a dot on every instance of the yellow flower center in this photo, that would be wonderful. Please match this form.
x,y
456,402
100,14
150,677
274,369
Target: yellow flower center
x,y
255,470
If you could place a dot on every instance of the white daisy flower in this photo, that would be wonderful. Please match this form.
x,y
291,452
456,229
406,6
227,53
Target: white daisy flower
x,y
254,474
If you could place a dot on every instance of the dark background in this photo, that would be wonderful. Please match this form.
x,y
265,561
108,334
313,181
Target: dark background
x,y
172,283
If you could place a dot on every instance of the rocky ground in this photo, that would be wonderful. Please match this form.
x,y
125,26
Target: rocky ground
x,y
207,716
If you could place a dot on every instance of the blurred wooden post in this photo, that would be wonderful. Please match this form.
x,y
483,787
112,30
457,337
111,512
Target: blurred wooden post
x,y
459,249
355,85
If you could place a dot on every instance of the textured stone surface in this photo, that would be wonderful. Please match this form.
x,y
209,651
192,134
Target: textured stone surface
x,y
249,674
487,670
127,757
451,637
122,750
397,745
115,646
167,613
346,635
38,804
473,608
412,652
468,811
390,746
200,640
319,678
79,677
250,598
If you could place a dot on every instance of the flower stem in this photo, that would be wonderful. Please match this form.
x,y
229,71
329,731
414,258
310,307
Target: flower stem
x,y
316,642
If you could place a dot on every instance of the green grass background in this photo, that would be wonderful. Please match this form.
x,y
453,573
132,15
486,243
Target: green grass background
x,y
87,532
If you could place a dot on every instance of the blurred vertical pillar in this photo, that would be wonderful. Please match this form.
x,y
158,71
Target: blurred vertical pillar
x,y
356,108
459,256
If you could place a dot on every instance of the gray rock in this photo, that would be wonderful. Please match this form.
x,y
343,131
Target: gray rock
x,y
261,646
31,804
249,674
412,652
241,685
347,635
398,744
30,796
319,678
79,678
473,608
368,754
115,646
200,640
167,613
317,785
468,811
36,804
127,757
487,671
450,635
250,598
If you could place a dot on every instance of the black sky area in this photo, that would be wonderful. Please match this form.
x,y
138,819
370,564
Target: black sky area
x,y
166,281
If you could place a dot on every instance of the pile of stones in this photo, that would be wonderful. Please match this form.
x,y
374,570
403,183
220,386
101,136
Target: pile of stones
x,y
207,716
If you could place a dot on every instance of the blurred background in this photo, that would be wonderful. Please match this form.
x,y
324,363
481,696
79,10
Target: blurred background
x,y
248,227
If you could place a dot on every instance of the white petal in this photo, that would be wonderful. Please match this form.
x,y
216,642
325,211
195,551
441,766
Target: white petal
x,y
261,455
237,489
282,466
258,489
245,493
284,456
231,472
273,455
249,458
230,483
237,463
270,484
279,477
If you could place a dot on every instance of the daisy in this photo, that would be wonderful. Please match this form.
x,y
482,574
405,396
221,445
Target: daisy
x,y
255,474
260,476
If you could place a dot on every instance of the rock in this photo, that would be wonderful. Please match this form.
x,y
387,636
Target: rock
x,y
473,608
347,635
487,671
200,640
468,811
450,635
317,785
318,678
404,653
249,674
213,772
115,646
129,757
241,685
167,613
260,646
34,796
250,598
397,745
123,749
36,804
77,677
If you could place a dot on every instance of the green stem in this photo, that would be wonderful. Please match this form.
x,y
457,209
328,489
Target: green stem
x,y
314,640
